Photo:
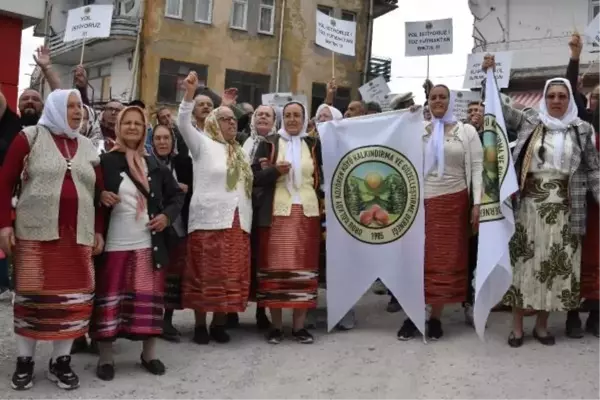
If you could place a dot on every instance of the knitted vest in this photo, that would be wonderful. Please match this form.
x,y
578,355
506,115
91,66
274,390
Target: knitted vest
x,y
38,206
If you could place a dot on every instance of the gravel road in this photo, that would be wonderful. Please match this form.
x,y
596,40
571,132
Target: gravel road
x,y
368,362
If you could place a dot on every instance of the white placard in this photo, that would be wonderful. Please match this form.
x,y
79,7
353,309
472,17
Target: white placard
x,y
593,30
376,90
462,98
428,38
335,34
88,22
475,75
281,99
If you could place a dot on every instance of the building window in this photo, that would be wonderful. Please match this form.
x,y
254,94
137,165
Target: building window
x,y
325,10
99,80
171,76
174,9
250,86
348,15
266,17
594,9
204,11
341,101
239,14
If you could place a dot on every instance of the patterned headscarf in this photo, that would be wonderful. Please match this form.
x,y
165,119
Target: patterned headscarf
x,y
91,130
166,159
255,136
238,167
135,157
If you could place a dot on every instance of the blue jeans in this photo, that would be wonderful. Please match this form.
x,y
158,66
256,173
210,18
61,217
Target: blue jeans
x,y
4,279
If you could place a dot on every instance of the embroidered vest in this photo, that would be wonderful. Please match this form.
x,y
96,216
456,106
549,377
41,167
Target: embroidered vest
x,y
282,202
38,205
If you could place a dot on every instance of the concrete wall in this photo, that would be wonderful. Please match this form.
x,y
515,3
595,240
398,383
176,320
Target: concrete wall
x,y
537,30
221,48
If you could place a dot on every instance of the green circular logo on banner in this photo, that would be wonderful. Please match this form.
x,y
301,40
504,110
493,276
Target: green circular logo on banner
x,y
375,194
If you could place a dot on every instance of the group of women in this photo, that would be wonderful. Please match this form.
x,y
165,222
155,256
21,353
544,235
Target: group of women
x,y
141,235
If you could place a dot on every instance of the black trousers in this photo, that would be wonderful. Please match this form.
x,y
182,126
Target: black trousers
x,y
473,244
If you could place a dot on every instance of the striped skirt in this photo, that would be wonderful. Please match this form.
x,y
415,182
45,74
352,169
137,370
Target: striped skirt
x,y
447,248
288,261
54,286
590,254
173,273
217,275
129,297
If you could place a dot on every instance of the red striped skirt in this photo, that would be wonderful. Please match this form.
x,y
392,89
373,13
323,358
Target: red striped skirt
x,y
590,255
217,275
288,261
129,297
447,248
54,286
173,273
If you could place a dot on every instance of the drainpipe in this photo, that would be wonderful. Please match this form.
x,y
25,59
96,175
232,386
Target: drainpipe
x,y
507,45
369,39
278,76
136,56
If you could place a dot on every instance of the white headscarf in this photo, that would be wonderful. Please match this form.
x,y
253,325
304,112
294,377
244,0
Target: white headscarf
x,y
337,114
435,148
293,153
54,116
562,123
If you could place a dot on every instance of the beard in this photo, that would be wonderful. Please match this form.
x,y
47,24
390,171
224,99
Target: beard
x,y
29,118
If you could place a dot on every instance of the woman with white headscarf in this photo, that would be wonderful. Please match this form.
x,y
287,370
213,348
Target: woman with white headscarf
x,y
557,164
287,167
58,229
453,177
325,113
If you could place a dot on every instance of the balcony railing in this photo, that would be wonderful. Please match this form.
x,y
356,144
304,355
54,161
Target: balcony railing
x,y
379,67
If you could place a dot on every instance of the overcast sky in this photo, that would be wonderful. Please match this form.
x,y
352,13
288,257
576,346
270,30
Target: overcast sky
x,y
408,73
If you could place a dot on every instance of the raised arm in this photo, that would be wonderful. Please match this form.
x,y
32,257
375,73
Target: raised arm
x,y
191,136
331,90
42,59
81,83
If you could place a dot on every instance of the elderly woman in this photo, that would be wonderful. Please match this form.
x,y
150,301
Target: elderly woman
x,y
556,164
217,275
453,176
58,229
287,167
90,128
164,148
145,199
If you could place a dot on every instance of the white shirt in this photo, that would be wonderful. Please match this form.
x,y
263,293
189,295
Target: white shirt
x,y
212,206
125,232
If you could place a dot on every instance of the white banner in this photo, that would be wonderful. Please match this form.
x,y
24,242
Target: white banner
x,y
88,22
376,90
593,30
475,75
493,275
428,38
375,217
335,34
462,98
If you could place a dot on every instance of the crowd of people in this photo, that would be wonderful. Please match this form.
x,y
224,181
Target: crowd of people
x,y
223,206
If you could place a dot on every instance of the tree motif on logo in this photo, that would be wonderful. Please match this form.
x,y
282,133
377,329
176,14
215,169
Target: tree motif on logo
x,y
353,198
395,203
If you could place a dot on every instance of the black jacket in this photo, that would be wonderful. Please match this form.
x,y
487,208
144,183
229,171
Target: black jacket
x,y
263,192
572,76
165,196
10,126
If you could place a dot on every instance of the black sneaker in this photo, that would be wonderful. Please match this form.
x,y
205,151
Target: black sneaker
x,y
407,331
219,335
434,329
22,379
275,336
60,372
303,336
573,327
201,335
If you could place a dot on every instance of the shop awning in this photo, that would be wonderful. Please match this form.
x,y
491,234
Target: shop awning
x,y
526,99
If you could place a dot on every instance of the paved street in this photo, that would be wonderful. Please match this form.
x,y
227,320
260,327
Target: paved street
x,y
368,362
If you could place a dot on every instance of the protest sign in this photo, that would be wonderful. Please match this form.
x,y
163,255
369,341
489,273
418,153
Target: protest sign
x,y
475,75
593,30
335,34
376,90
281,99
462,98
88,22
428,38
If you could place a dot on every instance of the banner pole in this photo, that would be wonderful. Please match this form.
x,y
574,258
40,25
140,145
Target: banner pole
x,y
333,64
82,52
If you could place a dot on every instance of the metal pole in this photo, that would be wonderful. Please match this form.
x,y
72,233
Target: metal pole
x,y
278,76
369,40
136,55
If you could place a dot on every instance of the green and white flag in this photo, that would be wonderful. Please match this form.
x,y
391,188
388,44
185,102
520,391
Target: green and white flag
x,y
493,276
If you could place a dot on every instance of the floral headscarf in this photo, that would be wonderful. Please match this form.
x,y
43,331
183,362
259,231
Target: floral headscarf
x,y
135,157
238,167
91,130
